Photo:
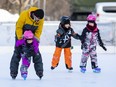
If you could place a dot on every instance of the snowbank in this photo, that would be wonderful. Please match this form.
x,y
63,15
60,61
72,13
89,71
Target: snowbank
x,y
5,16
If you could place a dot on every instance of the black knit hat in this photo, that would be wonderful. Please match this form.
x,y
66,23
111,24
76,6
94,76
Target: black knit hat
x,y
65,20
39,13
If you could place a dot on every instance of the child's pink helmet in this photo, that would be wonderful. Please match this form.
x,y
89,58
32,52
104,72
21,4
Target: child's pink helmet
x,y
28,34
91,17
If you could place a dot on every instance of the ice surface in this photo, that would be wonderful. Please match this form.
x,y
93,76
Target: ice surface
x,y
60,77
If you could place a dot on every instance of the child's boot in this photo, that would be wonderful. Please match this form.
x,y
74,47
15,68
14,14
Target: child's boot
x,y
39,74
13,75
23,71
52,67
97,70
83,69
71,68
24,75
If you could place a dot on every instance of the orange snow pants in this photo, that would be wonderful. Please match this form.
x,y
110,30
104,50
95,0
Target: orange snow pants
x,y
67,56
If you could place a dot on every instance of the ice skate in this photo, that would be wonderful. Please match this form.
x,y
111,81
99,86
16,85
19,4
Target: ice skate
x,y
52,68
24,76
83,69
13,75
40,74
70,69
97,70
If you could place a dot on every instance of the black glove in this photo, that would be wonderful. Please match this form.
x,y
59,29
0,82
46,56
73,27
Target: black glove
x,y
57,38
77,36
104,47
81,46
84,46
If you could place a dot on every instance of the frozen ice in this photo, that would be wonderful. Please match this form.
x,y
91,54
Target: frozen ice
x,y
60,77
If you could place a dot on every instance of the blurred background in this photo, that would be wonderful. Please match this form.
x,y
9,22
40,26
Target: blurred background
x,y
54,9
78,10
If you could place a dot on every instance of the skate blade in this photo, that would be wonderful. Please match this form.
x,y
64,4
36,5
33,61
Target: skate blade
x,y
13,78
96,71
70,71
24,76
40,78
83,71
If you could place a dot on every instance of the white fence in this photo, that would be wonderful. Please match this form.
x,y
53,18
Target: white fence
x,y
107,31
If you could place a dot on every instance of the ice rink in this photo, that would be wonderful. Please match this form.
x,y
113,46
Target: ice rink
x,y
60,77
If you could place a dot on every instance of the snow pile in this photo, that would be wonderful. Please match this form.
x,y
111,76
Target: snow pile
x,y
5,16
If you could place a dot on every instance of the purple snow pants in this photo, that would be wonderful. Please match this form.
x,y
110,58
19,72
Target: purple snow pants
x,y
25,65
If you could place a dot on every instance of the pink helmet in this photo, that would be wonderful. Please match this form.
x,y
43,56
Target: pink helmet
x,y
91,17
28,34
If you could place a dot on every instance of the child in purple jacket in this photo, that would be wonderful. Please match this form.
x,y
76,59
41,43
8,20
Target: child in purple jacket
x,y
29,46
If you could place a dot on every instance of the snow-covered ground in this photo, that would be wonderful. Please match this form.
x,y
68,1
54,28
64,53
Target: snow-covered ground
x,y
60,77
5,16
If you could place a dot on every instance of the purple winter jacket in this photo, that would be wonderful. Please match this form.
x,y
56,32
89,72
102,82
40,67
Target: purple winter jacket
x,y
35,44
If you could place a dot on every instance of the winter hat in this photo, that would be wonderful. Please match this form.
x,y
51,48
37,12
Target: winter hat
x,y
39,13
65,20
91,17
91,22
28,34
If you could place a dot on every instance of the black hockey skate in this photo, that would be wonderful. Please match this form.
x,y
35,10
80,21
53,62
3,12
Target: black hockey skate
x,y
70,69
13,75
40,74
97,70
52,68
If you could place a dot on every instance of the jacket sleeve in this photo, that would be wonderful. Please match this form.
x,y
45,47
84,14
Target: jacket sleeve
x,y
75,35
58,35
60,31
35,45
99,39
83,36
39,30
19,26
19,42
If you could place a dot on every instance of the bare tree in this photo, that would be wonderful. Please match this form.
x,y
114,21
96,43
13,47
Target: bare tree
x,y
15,6
54,8
57,8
